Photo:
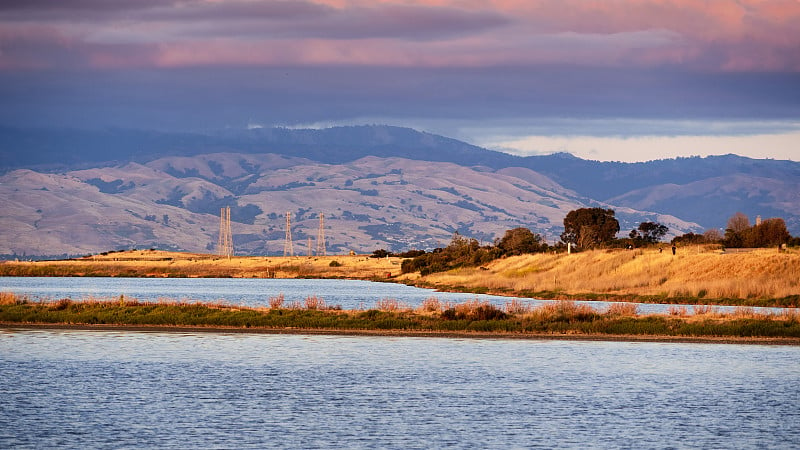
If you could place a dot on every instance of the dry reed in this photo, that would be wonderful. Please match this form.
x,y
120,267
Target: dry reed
x,y
679,311
277,301
562,310
314,302
8,298
389,305
516,306
622,309
431,304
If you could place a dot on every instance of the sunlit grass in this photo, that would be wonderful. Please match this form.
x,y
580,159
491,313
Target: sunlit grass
x,y
761,277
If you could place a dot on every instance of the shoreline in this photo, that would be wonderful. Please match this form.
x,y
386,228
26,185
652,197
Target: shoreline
x,y
407,333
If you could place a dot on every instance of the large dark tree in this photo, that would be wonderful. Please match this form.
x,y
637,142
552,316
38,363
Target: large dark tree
x,y
590,227
519,241
650,232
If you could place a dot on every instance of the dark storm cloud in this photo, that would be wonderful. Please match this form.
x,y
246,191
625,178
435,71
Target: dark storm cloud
x,y
204,98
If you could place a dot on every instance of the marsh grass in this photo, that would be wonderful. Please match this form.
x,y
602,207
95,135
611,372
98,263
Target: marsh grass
x,y
561,317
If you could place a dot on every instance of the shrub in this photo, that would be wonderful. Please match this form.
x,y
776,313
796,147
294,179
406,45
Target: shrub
x,y
388,304
517,306
677,311
62,304
314,302
335,264
276,302
622,309
431,304
474,310
8,298
565,310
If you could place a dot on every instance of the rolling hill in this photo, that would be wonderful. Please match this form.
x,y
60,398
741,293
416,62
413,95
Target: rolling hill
x,y
74,192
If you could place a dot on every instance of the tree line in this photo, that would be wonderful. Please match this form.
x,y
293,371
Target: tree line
x,y
739,233
588,228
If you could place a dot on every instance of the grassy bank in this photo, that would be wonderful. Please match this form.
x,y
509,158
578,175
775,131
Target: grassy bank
x,y
696,275
561,318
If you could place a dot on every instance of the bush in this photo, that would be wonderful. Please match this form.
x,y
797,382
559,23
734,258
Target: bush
x,y
276,302
474,310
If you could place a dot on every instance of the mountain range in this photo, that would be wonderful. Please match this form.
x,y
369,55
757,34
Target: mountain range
x,y
74,192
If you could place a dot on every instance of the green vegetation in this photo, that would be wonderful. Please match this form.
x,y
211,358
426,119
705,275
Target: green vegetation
x,y
564,317
464,252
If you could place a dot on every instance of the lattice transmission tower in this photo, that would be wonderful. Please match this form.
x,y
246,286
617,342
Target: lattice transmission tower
x,y
288,248
225,241
321,236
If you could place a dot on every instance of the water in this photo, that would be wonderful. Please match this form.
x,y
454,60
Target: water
x,y
349,294
104,389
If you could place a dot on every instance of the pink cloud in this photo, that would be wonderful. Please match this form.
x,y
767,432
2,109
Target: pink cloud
x,y
743,35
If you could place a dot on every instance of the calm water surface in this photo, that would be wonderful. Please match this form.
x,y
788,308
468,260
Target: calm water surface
x,y
103,389
350,294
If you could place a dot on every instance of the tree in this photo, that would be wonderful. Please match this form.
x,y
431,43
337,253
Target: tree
x,y
590,227
712,235
650,232
738,223
689,239
768,233
519,241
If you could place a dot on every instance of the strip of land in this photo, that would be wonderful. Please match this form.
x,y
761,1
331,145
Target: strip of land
x,y
559,320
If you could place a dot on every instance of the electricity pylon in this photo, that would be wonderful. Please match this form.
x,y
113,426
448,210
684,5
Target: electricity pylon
x,y
321,236
225,241
288,248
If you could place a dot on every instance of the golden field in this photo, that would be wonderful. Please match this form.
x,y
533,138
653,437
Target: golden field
x,y
156,263
698,272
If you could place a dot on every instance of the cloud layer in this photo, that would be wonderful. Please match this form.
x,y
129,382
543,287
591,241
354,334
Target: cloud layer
x,y
721,35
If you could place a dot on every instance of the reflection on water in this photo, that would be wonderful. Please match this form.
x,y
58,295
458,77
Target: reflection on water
x,y
184,390
349,294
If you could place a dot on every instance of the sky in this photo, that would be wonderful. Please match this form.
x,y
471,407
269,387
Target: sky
x,y
608,80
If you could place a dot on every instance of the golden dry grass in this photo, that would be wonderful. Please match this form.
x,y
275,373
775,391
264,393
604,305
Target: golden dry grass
x,y
694,272
165,264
